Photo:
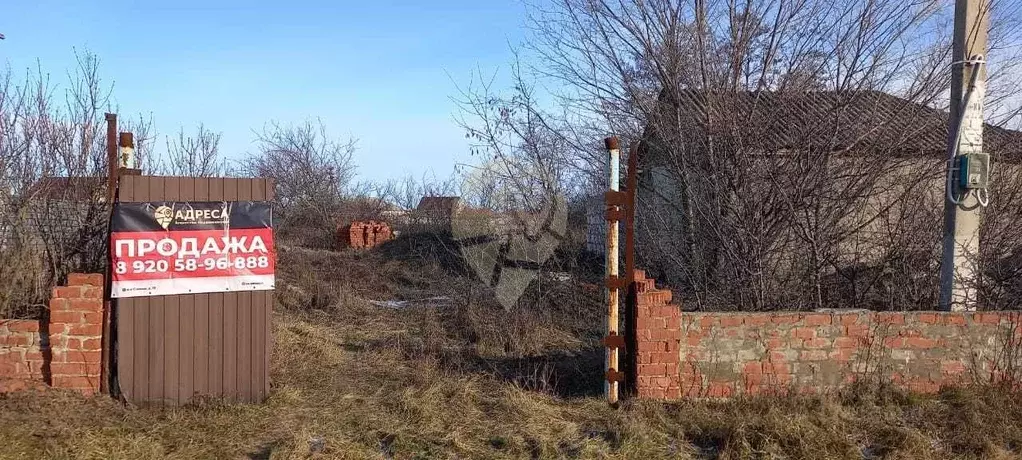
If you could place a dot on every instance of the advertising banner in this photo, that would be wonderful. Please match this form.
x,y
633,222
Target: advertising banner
x,y
167,248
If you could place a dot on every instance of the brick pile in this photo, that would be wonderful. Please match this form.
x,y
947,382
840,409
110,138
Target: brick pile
x,y
363,234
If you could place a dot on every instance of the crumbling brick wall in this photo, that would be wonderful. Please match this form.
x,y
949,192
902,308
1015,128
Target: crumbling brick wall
x,y
64,351
363,234
657,341
695,354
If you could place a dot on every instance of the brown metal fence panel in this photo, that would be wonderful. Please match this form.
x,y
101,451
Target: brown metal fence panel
x,y
170,350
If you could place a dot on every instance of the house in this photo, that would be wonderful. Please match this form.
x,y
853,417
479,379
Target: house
x,y
52,208
435,213
51,226
396,216
78,189
596,224
767,175
363,208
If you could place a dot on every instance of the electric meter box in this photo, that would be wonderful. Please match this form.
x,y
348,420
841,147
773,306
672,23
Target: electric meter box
x,y
973,171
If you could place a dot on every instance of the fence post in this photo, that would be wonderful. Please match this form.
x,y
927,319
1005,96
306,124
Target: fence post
x,y
106,375
630,344
613,342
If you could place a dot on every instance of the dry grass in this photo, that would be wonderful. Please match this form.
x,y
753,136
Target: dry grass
x,y
352,380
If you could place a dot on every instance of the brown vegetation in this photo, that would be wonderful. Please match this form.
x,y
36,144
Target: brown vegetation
x,y
463,379
52,220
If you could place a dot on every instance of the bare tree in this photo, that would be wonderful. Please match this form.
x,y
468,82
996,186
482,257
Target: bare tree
x,y
527,156
195,155
144,136
406,192
312,172
781,136
52,217
365,200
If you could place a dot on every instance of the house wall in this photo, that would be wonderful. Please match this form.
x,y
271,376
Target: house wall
x,y
64,351
686,354
432,216
659,222
596,225
901,210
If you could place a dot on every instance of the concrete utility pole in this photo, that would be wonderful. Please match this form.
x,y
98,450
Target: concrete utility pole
x,y
962,205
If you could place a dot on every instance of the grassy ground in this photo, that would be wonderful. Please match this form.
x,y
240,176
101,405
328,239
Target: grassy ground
x,y
467,380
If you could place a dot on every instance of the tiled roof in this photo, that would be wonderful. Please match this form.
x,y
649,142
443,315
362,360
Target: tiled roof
x,y
823,121
85,188
444,204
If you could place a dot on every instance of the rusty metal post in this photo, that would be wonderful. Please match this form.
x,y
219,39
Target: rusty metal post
x,y
631,184
111,195
612,341
629,366
111,155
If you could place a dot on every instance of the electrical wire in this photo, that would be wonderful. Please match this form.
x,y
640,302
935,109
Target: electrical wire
x,y
982,195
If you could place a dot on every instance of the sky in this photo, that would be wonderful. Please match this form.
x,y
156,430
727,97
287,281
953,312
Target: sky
x,y
381,71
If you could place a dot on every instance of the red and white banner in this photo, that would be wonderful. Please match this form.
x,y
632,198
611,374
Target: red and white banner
x,y
163,248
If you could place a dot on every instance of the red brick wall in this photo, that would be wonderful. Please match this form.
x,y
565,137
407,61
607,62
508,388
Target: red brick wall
x,y
66,351
21,360
726,354
363,234
657,340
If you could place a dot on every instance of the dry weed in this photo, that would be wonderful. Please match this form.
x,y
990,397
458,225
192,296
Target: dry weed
x,y
353,380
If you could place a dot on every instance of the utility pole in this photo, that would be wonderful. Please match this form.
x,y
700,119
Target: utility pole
x,y
959,267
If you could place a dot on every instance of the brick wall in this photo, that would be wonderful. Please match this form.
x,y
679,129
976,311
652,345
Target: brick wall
x,y
64,351
363,234
657,341
726,354
21,357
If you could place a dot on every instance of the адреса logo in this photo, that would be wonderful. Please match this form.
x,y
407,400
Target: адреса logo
x,y
164,216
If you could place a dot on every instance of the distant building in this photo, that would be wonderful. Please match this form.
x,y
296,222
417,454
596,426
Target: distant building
x,y
54,222
395,215
53,208
435,213
76,189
